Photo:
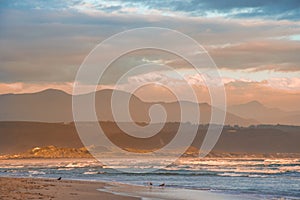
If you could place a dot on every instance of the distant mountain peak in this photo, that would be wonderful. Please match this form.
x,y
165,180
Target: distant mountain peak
x,y
51,91
254,103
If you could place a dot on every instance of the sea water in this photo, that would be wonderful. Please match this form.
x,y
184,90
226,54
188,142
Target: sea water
x,y
262,178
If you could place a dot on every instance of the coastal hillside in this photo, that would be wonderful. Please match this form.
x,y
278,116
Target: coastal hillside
x,y
50,152
18,137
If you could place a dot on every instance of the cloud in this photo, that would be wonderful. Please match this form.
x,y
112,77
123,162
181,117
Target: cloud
x,y
292,84
277,55
50,46
267,9
43,43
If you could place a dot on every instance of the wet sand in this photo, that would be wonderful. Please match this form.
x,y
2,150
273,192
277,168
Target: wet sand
x,y
29,188
169,193
52,189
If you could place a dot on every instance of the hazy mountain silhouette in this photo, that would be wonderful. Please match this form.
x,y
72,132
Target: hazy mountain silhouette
x,y
45,106
265,115
56,106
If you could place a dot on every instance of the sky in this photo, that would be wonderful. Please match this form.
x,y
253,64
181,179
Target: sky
x,y
255,45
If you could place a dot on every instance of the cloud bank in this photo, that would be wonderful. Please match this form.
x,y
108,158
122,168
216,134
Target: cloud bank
x,y
255,44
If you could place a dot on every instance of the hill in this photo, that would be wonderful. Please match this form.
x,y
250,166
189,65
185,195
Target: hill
x,y
18,137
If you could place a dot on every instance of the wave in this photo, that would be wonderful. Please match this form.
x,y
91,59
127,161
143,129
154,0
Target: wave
x,y
233,175
244,175
36,172
94,172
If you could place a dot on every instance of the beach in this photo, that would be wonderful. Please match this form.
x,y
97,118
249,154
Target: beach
x,y
34,188
38,188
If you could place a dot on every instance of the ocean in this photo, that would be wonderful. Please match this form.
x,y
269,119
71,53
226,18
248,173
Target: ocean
x,y
258,178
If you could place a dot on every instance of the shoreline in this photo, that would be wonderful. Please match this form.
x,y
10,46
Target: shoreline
x,y
47,188
41,188
171,193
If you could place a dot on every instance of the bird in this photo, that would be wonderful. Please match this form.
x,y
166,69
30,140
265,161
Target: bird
x,y
59,179
162,185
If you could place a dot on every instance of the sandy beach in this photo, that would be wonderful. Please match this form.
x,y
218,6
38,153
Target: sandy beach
x,y
29,188
37,188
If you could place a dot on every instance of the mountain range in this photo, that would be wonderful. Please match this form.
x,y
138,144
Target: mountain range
x,y
265,115
56,106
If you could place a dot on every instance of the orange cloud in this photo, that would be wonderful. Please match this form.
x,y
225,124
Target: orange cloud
x,y
19,87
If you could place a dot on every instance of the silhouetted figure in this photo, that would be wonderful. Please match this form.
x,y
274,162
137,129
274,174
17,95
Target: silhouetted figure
x,y
162,185
59,179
